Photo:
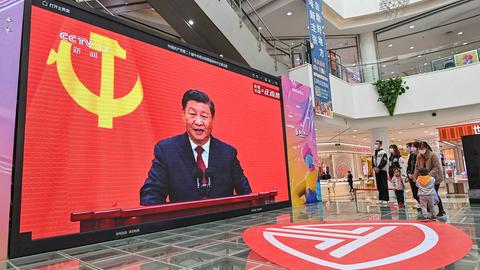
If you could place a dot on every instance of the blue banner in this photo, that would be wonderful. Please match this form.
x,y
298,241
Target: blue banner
x,y
320,66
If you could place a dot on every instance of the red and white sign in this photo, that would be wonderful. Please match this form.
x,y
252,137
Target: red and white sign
x,y
360,244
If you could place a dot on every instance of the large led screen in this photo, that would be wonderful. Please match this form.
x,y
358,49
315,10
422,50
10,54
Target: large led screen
x,y
113,118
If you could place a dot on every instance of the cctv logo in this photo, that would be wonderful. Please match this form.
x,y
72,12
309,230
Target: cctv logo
x,y
356,245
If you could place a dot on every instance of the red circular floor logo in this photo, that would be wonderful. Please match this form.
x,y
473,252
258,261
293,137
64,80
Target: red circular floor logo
x,y
360,244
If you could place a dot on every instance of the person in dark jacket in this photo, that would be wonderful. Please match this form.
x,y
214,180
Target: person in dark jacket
x,y
412,149
350,180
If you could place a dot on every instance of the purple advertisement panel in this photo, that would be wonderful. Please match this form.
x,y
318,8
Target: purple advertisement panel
x,y
11,17
301,143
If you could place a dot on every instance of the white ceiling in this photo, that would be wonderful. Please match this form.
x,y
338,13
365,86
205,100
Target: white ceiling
x,y
402,128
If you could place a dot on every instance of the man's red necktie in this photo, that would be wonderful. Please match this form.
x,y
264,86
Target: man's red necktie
x,y
200,163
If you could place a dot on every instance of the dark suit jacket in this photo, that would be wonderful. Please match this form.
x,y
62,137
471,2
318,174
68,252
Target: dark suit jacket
x,y
171,172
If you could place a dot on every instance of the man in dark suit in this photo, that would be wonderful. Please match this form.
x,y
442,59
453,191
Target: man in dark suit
x,y
171,173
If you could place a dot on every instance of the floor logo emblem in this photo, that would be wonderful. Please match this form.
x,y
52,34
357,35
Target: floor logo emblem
x,y
359,244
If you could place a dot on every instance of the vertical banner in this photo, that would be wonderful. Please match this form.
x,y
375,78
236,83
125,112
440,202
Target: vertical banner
x,y
301,143
320,67
11,18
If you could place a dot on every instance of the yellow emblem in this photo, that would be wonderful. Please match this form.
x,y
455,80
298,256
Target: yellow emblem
x,y
105,106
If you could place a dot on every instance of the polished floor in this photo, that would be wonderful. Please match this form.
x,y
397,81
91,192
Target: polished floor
x,y
218,245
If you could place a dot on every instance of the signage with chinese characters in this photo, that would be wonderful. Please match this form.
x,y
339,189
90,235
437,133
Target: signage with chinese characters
x,y
265,91
453,133
320,67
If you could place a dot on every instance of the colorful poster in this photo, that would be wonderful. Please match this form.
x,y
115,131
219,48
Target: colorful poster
x,y
466,58
320,67
301,143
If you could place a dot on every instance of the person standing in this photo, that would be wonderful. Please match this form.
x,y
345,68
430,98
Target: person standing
x,y
395,161
380,165
350,180
412,149
426,193
399,186
427,159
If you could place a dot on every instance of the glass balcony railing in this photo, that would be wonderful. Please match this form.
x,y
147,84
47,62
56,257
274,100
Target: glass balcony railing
x,y
296,52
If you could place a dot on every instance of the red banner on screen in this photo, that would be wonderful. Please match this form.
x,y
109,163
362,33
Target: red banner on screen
x,y
98,102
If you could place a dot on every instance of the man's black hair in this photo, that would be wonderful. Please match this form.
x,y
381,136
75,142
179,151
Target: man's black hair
x,y
198,96
379,141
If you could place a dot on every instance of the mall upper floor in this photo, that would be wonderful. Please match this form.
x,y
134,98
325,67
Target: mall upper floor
x,y
366,40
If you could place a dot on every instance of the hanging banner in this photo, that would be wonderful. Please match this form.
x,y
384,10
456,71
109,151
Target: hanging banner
x,y
301,143
320,67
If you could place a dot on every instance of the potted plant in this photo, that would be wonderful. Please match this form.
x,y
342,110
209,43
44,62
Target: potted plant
x,y
389,90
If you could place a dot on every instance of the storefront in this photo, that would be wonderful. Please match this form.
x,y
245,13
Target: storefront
x,y
456,157
339,158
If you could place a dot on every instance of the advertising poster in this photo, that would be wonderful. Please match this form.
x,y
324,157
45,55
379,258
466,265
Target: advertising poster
x,y
301,143
466,58
118,121
320,63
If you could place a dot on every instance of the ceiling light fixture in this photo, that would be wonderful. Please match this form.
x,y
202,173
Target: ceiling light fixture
x,y
289,13
419,56
384,65
390,45
191,22
422,124
460,33
465,43
411,47
412,26
259,28
221,55
393,72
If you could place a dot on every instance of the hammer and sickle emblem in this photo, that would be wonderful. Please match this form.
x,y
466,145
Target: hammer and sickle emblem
x,y
105,106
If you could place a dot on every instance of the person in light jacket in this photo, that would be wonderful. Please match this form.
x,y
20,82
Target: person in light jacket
x,y
427,159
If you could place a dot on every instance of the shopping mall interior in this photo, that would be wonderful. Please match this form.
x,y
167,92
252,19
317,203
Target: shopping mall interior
x,y
358,115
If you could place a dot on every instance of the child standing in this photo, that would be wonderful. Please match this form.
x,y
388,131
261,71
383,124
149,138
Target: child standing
x,y
399,186
426,194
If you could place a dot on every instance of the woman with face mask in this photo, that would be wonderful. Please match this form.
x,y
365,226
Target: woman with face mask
x,y
427,159
395,161
412,149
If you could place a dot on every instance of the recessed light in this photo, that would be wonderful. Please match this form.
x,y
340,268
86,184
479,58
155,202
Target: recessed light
x,y
460,33
425,64
191,22
221,55
400,132
390,45
289,13
412,26
298,59
384,65
465,43
355,130
411,47
422,124
259,28
393,72
354,136
425,131
419,56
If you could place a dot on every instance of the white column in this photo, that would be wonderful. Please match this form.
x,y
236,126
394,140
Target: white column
x,y
382,135
369,55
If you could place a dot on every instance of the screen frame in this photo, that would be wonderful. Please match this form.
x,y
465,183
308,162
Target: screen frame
x,y
20,244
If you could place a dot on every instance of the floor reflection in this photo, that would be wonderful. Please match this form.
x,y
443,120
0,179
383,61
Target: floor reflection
x,y
219,245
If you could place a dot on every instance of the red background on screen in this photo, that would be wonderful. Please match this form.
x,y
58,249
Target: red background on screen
x,y
70,164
